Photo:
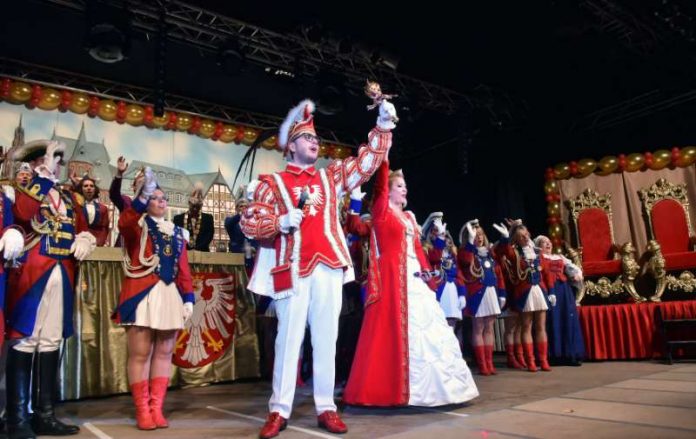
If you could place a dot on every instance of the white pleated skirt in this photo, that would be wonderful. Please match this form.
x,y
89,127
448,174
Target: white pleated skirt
x,y
535,300
161,309
489,304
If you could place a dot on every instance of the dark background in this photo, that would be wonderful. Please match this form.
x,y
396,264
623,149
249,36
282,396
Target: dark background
x,y
553,81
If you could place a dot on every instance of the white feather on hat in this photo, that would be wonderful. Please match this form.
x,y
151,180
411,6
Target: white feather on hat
x,y
427,225
301,112
474,223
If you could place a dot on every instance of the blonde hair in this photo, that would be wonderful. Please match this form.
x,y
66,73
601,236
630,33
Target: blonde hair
x,y
393,175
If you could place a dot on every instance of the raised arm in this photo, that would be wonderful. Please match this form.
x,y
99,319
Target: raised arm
x,y
380,197
354,171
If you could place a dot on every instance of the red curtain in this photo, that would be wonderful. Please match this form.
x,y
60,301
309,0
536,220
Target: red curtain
x,y
628,331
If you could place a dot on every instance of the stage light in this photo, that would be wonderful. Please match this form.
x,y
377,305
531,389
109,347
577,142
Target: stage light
x,y
108,30
385,58
230,57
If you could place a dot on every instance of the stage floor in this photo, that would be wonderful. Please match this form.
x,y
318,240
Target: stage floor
x,y
598,400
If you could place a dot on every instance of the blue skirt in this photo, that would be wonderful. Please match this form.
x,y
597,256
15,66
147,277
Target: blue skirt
x,y
563,327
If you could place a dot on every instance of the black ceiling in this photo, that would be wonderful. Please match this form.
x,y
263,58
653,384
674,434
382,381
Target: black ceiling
x,y
559,80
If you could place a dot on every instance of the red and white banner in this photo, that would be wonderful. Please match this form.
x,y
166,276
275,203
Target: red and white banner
x,y
210,330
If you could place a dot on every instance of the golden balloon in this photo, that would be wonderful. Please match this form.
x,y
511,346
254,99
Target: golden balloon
x,y
562,171
269,143
207,128
80,103
134,114
555,231
50,99
586,167
161,121
687,156
635,162
550,187
661,158
183,122
229,132
608,164
107,110
19,92
250,135
554,208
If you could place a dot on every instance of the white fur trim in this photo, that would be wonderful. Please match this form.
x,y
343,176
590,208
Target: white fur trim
x,y
296,114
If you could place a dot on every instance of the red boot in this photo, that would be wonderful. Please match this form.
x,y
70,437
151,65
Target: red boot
x,y
480,353
489,359
512,362
519,354
529,354
543,351
158,390
141,399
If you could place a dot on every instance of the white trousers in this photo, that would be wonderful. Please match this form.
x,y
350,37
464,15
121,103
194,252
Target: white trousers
x,y
48,329
317,300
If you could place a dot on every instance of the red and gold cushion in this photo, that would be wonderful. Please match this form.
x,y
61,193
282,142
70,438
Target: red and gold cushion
x,y
680,261
595,236
601,268
670,227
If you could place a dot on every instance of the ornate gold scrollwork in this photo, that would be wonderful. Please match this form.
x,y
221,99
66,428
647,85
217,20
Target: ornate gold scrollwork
x,y
685,282
629,271
604,287
656,266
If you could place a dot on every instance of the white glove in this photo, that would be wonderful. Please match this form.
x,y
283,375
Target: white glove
x,y
51,159
439,227
471,232
502,230
357,194
149,183
248,249
387,116
83,246
462,302
290,220
502,301
12,242
552,299
188,311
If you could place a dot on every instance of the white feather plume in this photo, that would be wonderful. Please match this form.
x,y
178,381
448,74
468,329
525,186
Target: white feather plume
x,y
296,114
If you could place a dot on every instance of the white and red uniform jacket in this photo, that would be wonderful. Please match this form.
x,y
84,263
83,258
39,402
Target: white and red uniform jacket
x,y
285,257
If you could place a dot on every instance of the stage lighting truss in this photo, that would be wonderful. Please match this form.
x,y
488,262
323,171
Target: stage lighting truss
x,y
207,30
76,82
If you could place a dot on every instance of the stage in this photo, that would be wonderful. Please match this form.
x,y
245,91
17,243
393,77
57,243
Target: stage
x,y
567,402
628,331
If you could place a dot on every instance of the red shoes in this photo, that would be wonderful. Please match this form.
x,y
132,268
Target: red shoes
x,y
273,426
331,422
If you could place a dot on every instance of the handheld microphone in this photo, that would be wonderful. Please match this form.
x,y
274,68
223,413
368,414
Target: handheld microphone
x,y
433,273
300,205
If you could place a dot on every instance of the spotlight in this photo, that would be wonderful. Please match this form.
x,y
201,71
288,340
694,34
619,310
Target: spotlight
x,y
108,32
385,58
231,57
